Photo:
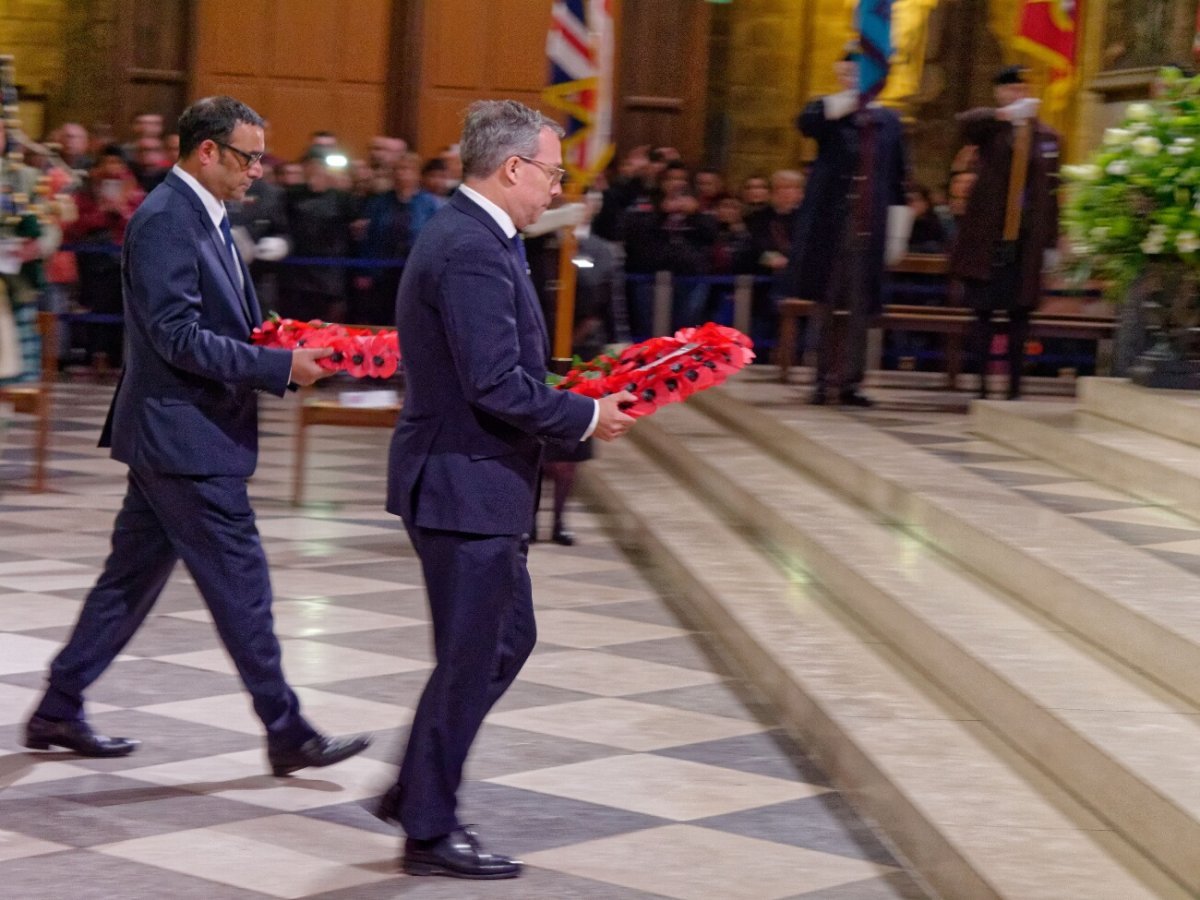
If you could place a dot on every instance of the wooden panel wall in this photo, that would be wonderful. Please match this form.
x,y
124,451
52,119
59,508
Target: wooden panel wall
x,y
464,50
306,65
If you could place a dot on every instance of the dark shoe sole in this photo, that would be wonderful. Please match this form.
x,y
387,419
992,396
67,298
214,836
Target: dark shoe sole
x,y
416,868
39,744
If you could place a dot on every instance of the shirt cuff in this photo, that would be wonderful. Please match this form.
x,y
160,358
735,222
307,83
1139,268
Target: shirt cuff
x,y
595,421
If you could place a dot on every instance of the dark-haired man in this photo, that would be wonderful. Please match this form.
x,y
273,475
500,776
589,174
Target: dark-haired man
x,y
185,421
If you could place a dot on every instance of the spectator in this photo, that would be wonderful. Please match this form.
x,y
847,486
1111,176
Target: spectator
x,y
319,217
454,169
772,228
290,174
733,246
105,205
434,179
636,185
73,138
149,164
669,234
171,149
709,187
928,235
390,224
755,194
260,229
382,155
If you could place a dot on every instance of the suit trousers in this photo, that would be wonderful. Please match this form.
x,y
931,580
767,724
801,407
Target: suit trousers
x,y
209,524
481,603
842,365
987,298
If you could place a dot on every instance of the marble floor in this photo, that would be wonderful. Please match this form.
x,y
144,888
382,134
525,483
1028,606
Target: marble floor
x,y
626,762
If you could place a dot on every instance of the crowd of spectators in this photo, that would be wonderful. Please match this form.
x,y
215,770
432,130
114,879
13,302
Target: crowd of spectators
x,y
327,235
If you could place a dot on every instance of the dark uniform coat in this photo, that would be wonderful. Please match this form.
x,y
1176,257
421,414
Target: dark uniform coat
x,y
981,227
822,217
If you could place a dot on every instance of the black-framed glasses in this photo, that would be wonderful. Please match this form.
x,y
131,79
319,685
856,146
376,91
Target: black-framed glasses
x,y
556,174
248,159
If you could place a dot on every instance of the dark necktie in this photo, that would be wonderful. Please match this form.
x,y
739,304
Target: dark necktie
x,y
519,246
227,233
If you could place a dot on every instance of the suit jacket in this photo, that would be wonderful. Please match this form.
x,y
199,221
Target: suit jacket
x,y
982,224
467,448
186,402
817,241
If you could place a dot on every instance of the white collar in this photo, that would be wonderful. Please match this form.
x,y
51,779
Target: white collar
x,y
503,219
214,207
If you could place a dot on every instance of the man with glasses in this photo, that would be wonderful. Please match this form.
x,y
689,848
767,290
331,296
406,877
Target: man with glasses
x,y
185,420
464,461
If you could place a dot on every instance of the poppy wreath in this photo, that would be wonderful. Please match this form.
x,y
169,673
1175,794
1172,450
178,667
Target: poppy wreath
x,y
664,370
361,352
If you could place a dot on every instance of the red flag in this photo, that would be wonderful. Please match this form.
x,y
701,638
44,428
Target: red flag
x,y
1048,31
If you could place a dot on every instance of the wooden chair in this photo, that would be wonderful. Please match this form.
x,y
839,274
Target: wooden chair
x,y
34,398
331,411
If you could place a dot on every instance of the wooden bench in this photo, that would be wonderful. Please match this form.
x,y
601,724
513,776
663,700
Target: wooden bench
x,y
952,321
34,398
331,411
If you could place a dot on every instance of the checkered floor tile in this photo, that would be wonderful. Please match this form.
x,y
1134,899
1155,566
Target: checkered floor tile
x,y
623,764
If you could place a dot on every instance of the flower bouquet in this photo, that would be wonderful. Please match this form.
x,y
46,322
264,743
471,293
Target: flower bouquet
x,y
1133,212
664,370
358,351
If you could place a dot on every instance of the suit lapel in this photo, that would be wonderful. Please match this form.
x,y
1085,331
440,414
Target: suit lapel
x,y
524,284
526,289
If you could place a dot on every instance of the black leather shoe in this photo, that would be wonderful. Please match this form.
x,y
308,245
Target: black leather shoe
x,y
854,398
457,855
316,752
566,538
41,734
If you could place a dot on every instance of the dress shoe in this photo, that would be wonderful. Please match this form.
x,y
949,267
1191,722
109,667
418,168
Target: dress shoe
x,y
316,752
457,855
855,398
74,735
566,538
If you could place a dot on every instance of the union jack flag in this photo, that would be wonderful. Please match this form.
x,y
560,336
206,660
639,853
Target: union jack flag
x,y
580,50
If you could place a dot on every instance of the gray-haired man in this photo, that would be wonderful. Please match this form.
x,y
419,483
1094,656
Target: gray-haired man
x,y
465,456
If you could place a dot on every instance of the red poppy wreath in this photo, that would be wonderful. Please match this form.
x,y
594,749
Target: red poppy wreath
x,y
664,370
361,352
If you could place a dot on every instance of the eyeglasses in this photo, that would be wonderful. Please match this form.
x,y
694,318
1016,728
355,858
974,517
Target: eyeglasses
x,y
248,159
556,174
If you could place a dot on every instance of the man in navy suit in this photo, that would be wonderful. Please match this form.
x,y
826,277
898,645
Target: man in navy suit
x,y
465,456
185,421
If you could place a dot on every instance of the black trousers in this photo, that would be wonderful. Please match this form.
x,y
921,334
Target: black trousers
x,y
987,298
209,524
481,602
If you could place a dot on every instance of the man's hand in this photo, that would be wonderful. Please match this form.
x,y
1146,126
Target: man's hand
x,y
305,368
612,422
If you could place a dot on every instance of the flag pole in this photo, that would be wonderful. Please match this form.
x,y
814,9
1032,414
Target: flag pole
x,y
564,314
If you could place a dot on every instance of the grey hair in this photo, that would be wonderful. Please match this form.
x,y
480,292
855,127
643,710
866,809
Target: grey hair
x,y
494,130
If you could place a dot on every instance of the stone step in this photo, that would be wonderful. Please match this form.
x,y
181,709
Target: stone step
x,y
973,818
1134,605
1077,713
1158,469
1172,414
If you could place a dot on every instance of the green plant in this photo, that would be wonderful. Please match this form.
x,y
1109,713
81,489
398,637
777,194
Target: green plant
x,y
1134,207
